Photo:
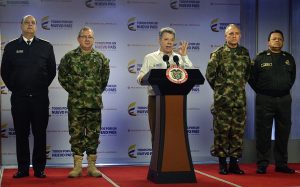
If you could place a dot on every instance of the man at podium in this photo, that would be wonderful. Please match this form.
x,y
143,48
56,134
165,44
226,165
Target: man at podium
x,y
162,59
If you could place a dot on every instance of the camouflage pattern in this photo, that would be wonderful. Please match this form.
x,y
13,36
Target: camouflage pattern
x,y
227,73
84,77
84,129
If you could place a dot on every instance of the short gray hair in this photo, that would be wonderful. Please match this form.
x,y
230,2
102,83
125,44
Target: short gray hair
x,y
167,30
85,28
22,21
230,26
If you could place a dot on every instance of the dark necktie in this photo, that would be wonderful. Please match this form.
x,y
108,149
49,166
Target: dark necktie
x,y
28,42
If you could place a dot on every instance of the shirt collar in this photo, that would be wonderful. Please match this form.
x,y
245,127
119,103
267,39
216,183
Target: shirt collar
x,y
25,39
161,54
79,51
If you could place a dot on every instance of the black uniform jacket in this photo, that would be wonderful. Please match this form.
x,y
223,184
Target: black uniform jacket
x,y
28,69
273,78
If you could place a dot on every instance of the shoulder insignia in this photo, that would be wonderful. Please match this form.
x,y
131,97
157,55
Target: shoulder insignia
x,y
43,40
213,55
263,53
284,53
218,49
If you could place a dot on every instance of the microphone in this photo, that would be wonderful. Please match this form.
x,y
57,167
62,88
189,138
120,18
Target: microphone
x,y
176,59
166,59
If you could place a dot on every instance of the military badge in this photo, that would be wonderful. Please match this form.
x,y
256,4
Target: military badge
x,y
266,65
287,62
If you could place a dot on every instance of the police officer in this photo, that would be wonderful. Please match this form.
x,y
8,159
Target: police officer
x,y
28,68
272,77
227,73
83,73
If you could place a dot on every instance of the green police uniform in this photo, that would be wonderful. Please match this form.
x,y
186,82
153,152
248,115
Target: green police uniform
x,y
227,73
84,77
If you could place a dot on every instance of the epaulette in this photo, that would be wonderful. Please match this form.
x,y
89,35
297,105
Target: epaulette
x,y
43,40
262,53
214,53
218,49
284,53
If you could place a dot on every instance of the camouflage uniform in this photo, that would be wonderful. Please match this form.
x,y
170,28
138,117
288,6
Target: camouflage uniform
x,y
84,77
227,73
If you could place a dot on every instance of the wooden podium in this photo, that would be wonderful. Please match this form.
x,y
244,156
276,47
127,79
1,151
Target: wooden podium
x,y
171,160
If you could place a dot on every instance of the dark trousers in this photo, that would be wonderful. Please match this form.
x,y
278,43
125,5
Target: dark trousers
x,y
267,109
30,111
152,115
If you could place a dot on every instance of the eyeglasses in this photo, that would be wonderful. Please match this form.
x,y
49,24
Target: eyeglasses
x,y
87,37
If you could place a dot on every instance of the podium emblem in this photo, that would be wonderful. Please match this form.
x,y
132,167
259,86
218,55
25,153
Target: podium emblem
x,y
176,74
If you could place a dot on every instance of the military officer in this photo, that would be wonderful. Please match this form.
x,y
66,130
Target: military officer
x,y
227,73
84,73
28,68
272,77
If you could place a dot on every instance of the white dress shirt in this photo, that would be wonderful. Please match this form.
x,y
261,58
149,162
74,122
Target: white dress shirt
x,y
154,60
26,40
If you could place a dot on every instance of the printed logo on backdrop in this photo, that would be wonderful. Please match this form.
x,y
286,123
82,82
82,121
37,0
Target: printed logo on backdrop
x,y
194,47
48,149
133,67
134,152
65,45
139,130
56,24
184,4
141,2
58,111
58,153
193,108
101,3
224,4
14,3
148,46
195,89
134,24
193,130
106,46
217,26
134,110
56,1
96,23
3,42
7,131
109,131
3,88
4,131
110,89
184,25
